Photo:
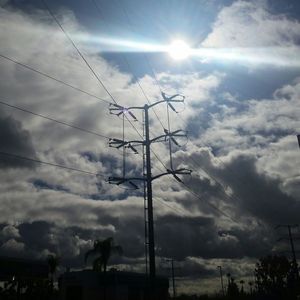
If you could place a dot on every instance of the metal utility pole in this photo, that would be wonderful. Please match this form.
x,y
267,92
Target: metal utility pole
x,y
148,178
290,238
221,278
149,195
171,260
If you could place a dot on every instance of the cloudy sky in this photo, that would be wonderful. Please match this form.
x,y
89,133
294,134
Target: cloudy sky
x,y
242,114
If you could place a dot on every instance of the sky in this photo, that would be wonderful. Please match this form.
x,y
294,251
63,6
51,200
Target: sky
x,y
241,112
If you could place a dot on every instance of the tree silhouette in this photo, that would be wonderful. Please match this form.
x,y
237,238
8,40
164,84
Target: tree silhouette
x,y
232,290
250,285
242,285
53,262
102,250
273,274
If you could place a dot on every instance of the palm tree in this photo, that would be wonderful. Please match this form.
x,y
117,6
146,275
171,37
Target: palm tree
x,y
242,286
102,250
250,284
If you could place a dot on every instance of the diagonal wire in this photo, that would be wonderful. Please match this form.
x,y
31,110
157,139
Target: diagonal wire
x,y
16,156
51,119
85,61
146,58
51,77
77,49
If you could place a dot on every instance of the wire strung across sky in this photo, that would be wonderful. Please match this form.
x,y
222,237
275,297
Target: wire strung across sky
x,y
146,59
16,156
85,61
53,78
51,119
77,49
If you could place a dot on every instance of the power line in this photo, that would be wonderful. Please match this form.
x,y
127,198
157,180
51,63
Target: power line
x,y
51,119
84,59
77,49
127,62
146,58
48,163
196,195
209,204
52,78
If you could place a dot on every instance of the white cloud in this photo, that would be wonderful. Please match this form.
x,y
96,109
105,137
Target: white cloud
x,y
246,32
250,24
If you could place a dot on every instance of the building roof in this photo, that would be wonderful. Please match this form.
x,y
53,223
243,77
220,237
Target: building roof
x,y
94,278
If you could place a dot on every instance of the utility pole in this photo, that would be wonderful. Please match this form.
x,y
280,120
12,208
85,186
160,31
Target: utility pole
x,y
290,238
171,260
148,178
221,278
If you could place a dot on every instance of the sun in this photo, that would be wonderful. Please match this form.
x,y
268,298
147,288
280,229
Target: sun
x,y
179,50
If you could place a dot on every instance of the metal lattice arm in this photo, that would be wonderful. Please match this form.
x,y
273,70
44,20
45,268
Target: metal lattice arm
x,y
118,110
181,171
121,180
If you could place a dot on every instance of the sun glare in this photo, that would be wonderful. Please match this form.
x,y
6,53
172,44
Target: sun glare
x,y
179,50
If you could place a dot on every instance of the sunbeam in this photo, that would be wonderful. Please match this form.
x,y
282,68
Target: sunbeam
x,y
274,56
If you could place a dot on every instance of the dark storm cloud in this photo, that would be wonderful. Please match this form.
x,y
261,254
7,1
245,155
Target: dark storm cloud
x,y
35,236
255,193
258,194
182,237
14,140
40,184
38,239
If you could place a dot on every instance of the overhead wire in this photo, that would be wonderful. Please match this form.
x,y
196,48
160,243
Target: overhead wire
x,y
16,156
132,28
52,78
126,61
51,119
77,49
84,59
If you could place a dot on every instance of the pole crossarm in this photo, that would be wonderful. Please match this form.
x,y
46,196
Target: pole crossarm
x,y
181,171
118,110
117,143
171,135
169,99
121,180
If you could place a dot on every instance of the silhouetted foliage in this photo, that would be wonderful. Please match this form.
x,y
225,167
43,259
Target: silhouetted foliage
x,y
53,262
275,278
102,251
27,289
232,289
